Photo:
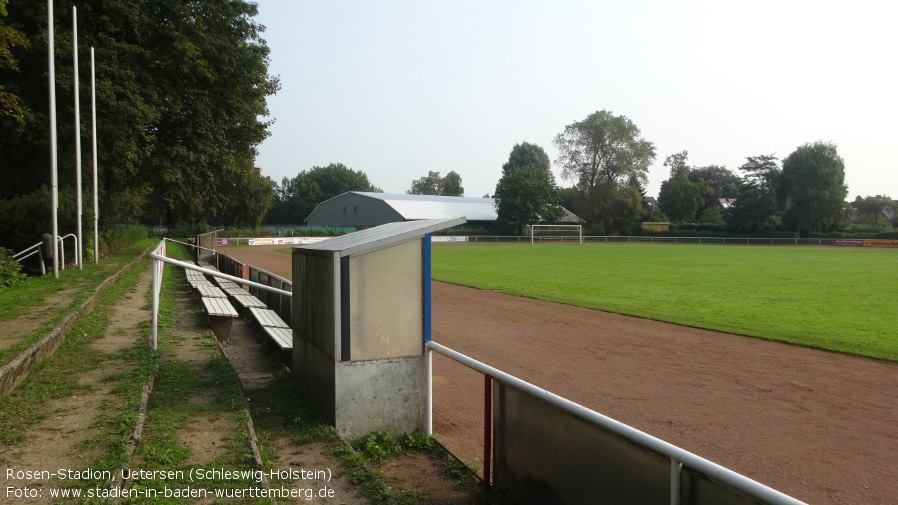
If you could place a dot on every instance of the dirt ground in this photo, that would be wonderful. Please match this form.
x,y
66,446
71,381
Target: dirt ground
x,y
820,426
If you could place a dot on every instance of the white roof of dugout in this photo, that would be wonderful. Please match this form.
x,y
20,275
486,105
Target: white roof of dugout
x,y
383,236
412,207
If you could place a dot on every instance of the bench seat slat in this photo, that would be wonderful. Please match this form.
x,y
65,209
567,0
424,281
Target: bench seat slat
x,y
224,283
283,337
210,292
235,291
268,317
249,301
219,307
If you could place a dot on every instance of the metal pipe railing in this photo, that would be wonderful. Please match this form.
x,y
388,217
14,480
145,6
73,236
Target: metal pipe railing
x,y
158,263
61,245
35,249
678,457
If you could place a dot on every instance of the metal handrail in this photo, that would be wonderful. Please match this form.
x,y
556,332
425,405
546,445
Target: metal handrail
x,y
61,241
159,259
678,457
35,249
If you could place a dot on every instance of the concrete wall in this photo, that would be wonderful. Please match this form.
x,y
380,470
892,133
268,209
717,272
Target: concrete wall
x,y
383,394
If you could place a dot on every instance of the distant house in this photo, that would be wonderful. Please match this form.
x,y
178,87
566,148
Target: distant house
x,y
726,203
363,210
887,212
651,203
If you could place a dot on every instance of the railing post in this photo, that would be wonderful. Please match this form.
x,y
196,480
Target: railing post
x,y
155,316
676,468
487,430
428,391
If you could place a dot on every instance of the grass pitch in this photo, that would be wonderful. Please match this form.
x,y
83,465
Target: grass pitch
x,y
842,299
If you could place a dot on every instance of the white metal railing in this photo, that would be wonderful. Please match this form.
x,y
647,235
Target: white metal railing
x,y
678,457
61,246
159,260
35,249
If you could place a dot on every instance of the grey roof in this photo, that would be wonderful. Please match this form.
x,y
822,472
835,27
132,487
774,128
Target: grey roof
x,y
382,236
412,207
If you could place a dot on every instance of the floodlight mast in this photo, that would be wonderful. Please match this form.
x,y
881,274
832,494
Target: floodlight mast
x,y
93,115
54,195
79,234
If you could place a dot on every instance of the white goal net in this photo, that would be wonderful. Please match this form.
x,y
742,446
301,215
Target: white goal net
x,y
570,233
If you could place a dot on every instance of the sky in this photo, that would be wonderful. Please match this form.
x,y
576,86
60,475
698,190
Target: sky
x,y
399,88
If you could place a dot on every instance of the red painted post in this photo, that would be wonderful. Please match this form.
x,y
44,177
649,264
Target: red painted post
x,y
487,429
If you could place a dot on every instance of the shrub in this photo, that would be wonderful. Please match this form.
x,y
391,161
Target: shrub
x,y
118,239
10,270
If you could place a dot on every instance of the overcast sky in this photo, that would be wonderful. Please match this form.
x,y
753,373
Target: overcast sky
x,y
398,88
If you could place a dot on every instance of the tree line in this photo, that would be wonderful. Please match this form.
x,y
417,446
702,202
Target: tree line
x,y
181,87
607,159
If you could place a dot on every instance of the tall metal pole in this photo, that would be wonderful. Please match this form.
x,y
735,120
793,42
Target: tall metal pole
x,y
93,115
54,196
78,234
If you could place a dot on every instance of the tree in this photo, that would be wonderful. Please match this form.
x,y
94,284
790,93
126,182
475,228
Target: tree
x,y
210,64
251,198
181,87
524,154
431,184
716,182
434,184
756,205
874,208
679,197
601,153
9,38
526,195
296,198
812,187
451,185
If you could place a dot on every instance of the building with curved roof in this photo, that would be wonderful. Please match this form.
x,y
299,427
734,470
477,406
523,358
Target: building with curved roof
x,y
364,210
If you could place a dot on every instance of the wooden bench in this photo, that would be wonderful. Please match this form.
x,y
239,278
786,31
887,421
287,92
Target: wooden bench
x,y
221,316
282,337
196,283
225,283
247,301
278,332
206,264
267,317
210,292
235,291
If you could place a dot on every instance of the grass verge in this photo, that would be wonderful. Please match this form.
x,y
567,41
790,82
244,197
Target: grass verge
x,y
74,284
57,376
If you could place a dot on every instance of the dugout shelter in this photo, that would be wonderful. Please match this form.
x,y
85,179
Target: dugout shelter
x,y
361,309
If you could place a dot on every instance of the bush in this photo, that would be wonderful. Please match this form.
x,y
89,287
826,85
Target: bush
x,y
118,239
10,270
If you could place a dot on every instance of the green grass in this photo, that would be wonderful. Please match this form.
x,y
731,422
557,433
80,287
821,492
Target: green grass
x,y
19,300
842,299
57,376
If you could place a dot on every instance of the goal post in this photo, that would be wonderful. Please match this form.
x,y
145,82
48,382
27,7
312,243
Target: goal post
x,y
556,233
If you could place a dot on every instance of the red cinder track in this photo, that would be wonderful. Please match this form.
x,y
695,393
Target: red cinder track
x,y
820,426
